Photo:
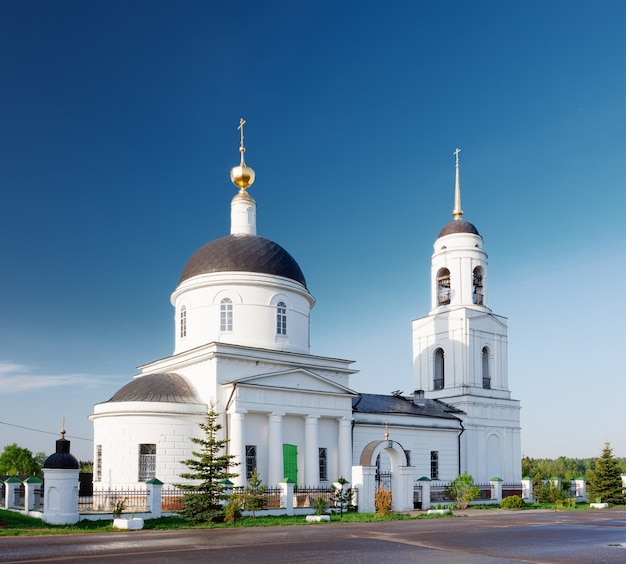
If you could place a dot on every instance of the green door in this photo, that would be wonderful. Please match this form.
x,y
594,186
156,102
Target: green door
x,y
290,462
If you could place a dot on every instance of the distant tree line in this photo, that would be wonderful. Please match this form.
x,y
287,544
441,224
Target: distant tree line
x,y
563,467
602,474
19,461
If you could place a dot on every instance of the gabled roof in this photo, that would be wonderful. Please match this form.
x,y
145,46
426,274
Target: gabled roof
x,y
296,379
400,405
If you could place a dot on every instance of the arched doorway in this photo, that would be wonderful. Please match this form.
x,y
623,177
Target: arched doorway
x,y
383,471
389,460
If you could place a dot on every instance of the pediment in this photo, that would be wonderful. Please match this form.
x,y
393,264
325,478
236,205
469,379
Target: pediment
x,y
296,379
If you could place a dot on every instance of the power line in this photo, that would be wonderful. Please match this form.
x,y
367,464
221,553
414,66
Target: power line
x,y
40,431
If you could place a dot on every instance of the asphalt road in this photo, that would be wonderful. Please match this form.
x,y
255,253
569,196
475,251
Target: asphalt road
x,y
491,536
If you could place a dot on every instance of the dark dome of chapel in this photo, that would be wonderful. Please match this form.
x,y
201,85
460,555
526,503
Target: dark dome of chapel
x,y
168,387
62,459
458,226
243,253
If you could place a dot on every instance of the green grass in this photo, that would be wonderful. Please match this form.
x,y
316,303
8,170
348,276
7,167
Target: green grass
x,y
14,524
168,523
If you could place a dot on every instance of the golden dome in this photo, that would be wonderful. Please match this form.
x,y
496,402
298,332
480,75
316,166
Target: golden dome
x,y
242,175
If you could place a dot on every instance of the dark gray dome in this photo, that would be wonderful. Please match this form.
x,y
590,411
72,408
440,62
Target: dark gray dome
x,y
167,387
62,459
243,253
458,226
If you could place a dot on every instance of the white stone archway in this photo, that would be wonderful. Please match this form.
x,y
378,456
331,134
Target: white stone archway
x,y
364,476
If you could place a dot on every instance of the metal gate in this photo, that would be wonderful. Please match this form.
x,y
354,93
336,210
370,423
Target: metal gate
x,y
417,496
383,479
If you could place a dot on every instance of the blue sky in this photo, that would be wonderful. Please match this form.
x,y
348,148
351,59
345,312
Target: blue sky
x,y
118,130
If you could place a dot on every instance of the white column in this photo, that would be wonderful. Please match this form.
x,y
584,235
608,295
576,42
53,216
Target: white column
x,y
345,448
364,480
237,445
311,449
402,487
275,467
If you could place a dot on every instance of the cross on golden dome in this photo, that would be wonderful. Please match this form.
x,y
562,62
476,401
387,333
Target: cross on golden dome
x,y
242,175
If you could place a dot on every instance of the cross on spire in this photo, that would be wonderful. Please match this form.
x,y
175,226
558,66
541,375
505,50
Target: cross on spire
x,y
242,149
456,153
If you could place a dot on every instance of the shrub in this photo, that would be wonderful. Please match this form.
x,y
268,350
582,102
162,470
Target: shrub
x,y
232,510
549,491
512,502
567,503
463,490
254,497
118,507
382,501
341,495
320,505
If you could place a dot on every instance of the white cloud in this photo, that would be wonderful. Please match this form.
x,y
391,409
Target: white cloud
x,y
16,378
9,367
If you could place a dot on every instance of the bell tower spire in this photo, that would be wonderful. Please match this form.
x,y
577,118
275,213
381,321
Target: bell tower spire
x,y
457,212
242,206
460,350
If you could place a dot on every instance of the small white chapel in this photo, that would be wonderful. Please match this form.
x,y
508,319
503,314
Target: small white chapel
x,y
241,344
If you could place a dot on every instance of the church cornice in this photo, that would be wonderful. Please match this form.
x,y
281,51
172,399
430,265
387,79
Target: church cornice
x,y
468,312
397,425
346,393
239,278
261,380
216,351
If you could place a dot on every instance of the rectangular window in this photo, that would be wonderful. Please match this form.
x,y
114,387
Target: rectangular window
x,y
323,465
147,462
226,315
98,469
183,322
250,460
408,457
434,464
281,318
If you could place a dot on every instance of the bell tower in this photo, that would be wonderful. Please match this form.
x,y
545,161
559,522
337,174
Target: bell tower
x,y
459,263
460,351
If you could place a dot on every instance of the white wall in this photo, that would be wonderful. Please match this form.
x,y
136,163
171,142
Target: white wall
x,y
120,427
254,298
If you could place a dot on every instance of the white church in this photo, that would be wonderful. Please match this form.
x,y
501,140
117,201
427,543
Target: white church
x,y
242,323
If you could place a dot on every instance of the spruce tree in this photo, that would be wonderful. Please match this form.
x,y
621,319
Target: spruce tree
x,y
605,481
254,494
209,468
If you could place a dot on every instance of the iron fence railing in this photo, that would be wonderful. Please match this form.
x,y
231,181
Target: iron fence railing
x,y
105,501
270,494
512,489
172,499
306,496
